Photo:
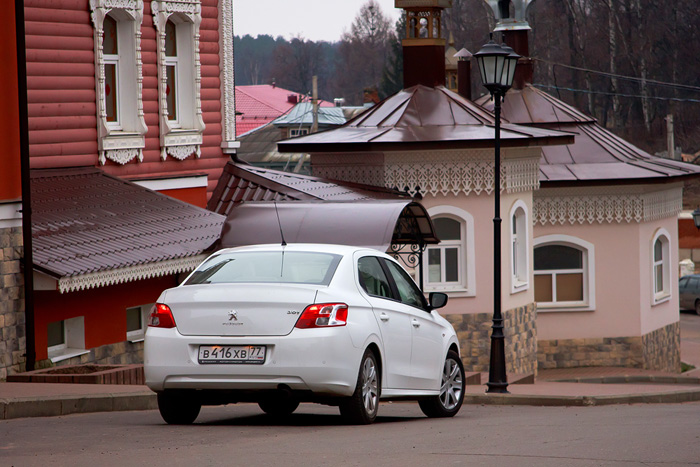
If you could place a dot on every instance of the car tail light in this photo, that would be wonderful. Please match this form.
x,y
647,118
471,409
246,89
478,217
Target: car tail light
x,y
323,315
161,317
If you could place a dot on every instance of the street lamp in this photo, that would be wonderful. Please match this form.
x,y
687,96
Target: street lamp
x,y
497,68
696,218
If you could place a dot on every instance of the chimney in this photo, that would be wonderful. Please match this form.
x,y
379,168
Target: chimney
x,y
464,73
515,31
292,99
424,45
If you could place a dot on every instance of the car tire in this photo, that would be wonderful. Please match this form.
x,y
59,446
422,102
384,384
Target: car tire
x,y
278,407
448,403
361,408
697,307
178,408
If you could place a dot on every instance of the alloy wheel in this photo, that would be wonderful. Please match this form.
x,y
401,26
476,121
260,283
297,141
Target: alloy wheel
x,y
452,385
369,385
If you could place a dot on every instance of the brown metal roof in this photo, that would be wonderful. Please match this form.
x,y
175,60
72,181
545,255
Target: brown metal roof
x,y
240,182
596,155
369,223
422,117
85,221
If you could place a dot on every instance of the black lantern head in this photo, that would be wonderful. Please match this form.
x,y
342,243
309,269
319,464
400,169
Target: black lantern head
x,y
696,218
491,60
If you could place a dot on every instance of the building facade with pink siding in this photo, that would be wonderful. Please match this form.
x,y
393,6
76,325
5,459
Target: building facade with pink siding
x,y
64,92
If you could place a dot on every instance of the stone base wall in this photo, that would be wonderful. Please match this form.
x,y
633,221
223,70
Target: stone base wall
x,y
658,350
122,353
12,338
474,333
662,349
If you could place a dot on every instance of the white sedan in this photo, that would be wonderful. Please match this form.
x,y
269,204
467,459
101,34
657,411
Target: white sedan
x,y
279,325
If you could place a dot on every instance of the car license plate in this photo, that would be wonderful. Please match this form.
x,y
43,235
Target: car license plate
x,y
232,354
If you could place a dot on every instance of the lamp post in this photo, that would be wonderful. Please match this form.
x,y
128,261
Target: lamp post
x,y
497,68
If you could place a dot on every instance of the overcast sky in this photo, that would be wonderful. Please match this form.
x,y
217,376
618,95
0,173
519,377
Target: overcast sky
x,y
313,19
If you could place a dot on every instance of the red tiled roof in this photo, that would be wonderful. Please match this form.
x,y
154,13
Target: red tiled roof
x,y
240,183
86,222
260,104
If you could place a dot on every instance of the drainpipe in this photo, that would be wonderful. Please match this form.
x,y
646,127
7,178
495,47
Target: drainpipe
x,y
26,189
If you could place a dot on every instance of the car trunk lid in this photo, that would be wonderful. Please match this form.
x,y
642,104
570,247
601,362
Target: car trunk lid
x,y
238,309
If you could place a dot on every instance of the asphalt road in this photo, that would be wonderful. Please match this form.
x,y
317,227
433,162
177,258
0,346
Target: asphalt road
x,y
628,435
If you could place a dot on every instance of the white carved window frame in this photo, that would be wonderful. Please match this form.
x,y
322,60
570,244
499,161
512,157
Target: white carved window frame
x,y
519,250
467,284
588,253
184,138
124,142
661,289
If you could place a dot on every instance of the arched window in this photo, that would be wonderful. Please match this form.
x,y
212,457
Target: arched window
x,y
449,265
519,248
661,268
564,273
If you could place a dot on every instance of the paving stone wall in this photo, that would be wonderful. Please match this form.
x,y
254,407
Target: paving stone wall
x,y
658,350
474,333
12,337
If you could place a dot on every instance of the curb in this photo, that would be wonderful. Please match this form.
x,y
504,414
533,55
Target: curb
x,y
688,395
65,405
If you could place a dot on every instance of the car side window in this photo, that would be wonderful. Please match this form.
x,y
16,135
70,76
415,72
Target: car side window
x,y
372,277
683,282
693,283
409,292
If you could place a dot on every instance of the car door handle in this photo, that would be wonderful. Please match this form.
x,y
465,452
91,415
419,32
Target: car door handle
x,y
384,317
416,323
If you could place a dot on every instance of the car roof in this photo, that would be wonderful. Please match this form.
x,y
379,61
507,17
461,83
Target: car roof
x,y
304,247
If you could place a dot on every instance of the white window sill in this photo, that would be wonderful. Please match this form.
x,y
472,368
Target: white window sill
x,y
65,354
519,286
658,300
451,292
543,308
135,339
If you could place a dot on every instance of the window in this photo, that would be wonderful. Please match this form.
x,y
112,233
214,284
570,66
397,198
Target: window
x,y
66,339
372,278
564,273
449,265
121,125
661,269
409,293
519,248
293,132
136,322
179,72
295,267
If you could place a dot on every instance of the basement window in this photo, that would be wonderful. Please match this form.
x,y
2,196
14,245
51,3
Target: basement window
x,y
66,339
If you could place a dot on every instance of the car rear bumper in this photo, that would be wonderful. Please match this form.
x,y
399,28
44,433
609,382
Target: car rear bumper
x,y
322,361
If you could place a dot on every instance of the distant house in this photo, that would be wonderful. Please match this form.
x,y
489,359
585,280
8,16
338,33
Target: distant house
x,y
129,101
257,105
259,146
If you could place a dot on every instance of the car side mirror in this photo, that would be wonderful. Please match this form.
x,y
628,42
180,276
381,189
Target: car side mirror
x,y
437,300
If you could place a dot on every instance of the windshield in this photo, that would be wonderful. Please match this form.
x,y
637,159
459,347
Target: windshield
x,y
294,267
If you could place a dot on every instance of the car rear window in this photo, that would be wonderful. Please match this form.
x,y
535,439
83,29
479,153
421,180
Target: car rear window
x,y
294,267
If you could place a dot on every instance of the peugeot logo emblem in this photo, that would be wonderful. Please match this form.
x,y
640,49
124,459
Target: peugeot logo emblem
x,y
233,315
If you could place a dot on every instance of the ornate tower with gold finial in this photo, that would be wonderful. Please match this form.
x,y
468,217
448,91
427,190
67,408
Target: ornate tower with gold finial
x,y
424,44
